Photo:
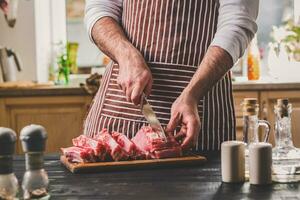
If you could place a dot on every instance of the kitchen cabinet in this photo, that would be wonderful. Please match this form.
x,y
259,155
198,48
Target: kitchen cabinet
x,y
62,109
267,103
62,116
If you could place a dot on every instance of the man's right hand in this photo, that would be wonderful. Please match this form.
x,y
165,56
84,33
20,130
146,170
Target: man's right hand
x,y
134,76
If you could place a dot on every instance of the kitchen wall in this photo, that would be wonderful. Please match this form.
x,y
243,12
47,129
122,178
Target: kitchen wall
x,y
22,38
39,25
88,54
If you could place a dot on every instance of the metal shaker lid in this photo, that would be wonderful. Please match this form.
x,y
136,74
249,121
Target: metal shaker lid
x,y
33,138
7,141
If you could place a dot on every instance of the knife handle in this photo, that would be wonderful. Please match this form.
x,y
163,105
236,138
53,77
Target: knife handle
x,y
143,97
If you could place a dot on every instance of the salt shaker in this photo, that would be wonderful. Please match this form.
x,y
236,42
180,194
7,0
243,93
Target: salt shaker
x,y
260,163
8,180
35,180
233,161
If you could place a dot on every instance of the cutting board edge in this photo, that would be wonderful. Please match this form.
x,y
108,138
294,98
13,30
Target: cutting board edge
x,y
132,165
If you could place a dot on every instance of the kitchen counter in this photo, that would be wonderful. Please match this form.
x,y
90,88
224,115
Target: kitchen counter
x,y
43,91
263,86
203,182
76,90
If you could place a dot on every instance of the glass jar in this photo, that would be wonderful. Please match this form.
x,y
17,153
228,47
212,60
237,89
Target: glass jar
x,y
286,157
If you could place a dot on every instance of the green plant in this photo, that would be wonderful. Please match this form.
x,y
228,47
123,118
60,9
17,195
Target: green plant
x,y
63,67
66,61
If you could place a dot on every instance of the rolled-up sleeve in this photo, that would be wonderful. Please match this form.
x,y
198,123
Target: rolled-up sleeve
x,y
236,26
96,9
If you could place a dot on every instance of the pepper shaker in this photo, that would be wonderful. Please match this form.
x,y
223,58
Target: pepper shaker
x,y
35,180
260,163
233,161
8,180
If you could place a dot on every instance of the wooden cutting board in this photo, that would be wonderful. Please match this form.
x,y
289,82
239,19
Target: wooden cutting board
x,y
193,160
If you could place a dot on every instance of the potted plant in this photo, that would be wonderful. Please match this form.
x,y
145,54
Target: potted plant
x,y
66,61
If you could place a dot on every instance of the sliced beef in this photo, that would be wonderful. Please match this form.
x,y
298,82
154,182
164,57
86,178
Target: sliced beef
x,y
112,147
154,145
77,154
168,153
128,146
86,142
124,142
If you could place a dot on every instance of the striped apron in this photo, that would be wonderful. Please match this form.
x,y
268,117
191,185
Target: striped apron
x,y
173,36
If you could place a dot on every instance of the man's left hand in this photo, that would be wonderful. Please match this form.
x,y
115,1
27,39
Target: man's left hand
x,y
184,112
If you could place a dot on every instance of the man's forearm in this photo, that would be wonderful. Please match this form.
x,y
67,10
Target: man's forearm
x,y
110,38
213,67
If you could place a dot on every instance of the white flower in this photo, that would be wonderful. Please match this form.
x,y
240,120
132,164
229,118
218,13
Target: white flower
x,y
280,33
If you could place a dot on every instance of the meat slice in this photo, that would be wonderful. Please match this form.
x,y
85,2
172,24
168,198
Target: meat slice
x,y
128,146
173,152
115,150
87,142
154,145
77,154
124,142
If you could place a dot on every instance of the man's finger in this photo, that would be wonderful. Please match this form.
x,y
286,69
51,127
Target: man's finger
x,y
180,136
174,122
182,133
190,135
136,94
128,92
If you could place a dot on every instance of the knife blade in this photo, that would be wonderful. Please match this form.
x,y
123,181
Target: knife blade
x,y
150,116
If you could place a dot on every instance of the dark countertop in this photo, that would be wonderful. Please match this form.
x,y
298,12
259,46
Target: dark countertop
x,y
203,182
76,90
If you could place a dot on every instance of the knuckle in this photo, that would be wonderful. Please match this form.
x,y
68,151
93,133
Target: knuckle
x,y
128,83
139,81
195,122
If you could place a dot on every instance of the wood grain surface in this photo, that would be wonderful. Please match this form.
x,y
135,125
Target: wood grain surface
x,y
194,160
184,183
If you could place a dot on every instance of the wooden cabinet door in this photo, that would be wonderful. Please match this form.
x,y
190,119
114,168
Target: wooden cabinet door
x,y
268,100
238,99
61,116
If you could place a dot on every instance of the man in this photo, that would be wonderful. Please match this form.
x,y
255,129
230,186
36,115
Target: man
x,y
178,52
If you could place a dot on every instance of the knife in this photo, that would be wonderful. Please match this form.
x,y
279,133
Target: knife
x,y
150,116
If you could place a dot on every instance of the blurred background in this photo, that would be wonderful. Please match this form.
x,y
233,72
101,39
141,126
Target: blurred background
x,y
43,28
50,70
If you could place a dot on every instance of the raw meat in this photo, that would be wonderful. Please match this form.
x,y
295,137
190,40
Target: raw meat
x,y
77,154
147,144
115,150
154,145
173,152
124,142
128,146
86,142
